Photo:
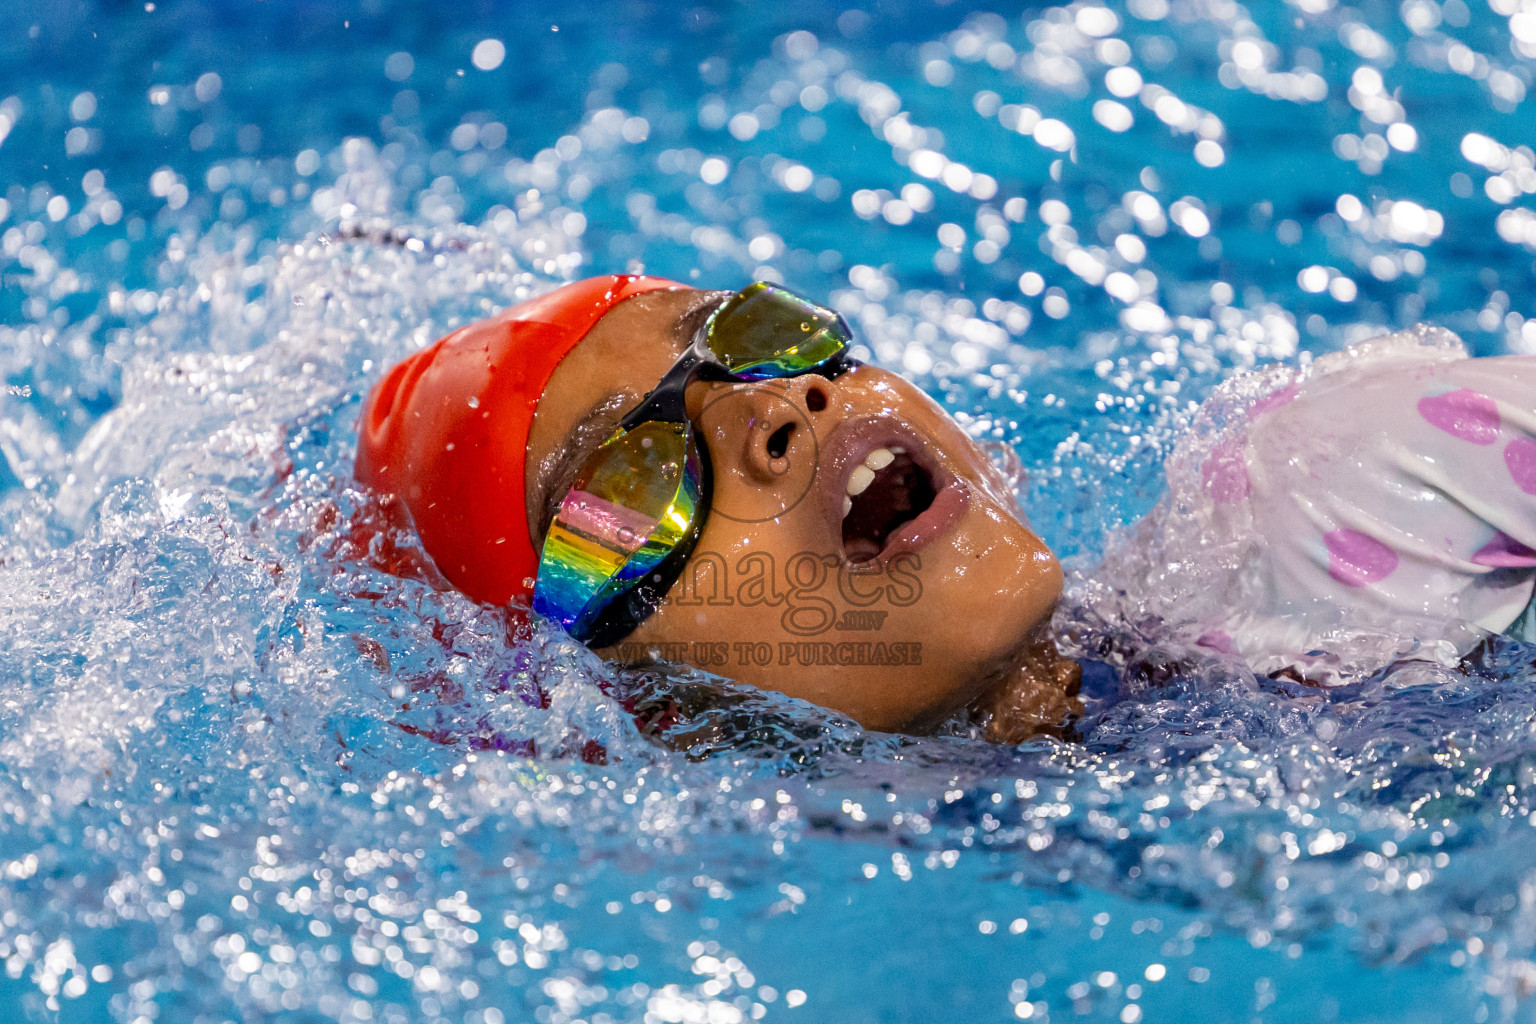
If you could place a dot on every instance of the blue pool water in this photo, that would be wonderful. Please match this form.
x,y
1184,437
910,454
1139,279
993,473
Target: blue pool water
x,y
246,776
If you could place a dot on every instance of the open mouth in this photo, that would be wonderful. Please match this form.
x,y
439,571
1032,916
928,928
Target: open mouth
x,y
884,493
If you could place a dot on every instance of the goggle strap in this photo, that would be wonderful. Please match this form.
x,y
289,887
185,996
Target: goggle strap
x,y
667,402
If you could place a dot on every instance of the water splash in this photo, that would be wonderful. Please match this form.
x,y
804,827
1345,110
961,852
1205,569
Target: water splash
x,y
247,770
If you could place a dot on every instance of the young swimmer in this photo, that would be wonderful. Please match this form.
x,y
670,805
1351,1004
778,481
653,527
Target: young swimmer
x,y
709,478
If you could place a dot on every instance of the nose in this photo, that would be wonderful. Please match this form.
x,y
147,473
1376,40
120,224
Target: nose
x,y
761,427
762,433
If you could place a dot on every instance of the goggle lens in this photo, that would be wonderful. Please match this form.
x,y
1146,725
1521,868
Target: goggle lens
x,y
766,331
634,502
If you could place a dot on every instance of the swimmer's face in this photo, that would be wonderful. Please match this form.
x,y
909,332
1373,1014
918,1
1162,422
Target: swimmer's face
x,y
896,605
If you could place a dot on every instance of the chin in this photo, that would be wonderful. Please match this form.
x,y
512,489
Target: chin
x,y
994,590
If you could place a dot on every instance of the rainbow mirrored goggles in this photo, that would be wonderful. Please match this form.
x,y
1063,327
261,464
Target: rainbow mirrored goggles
x,y
631,518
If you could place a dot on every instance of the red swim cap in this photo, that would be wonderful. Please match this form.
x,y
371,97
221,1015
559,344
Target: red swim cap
x,y
447,431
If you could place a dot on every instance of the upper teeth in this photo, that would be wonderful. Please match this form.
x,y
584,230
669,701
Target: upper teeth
x,y
861,478
864,475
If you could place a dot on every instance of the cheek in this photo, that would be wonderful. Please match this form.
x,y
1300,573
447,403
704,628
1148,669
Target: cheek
x,y
736,583
741,544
